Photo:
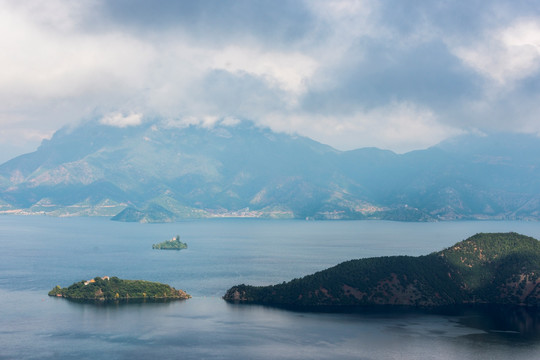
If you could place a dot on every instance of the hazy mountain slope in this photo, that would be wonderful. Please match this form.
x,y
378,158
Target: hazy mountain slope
x,y
243,170
218,168
478,176
468,177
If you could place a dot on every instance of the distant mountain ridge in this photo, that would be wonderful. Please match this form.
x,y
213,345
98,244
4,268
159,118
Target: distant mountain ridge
x,y
157,172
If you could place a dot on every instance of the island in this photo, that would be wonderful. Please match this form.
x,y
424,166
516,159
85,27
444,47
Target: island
x,y
173,244
114,289
152,214
487,268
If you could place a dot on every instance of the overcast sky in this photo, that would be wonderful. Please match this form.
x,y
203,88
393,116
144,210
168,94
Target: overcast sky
x,y
397,75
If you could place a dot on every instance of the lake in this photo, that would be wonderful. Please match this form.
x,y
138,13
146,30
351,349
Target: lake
x,y
38,253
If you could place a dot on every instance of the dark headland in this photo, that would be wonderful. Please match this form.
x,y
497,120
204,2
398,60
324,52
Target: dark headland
x,y
487,268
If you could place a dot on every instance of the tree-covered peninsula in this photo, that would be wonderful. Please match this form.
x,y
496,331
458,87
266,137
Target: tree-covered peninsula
x,y
494,268
115,289
173,244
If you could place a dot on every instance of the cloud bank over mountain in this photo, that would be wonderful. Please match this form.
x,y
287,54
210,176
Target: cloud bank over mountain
x,y
351,74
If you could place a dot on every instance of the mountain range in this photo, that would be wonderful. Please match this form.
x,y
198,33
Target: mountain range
x,y
160,171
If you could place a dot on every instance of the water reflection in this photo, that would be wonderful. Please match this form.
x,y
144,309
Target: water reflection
x,y
492,321
119,303
213,329
504,323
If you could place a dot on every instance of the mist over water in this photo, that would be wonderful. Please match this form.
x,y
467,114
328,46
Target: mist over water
x,y
37,253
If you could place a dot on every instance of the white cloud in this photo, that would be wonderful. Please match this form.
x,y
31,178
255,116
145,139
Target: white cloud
x,y
230,121
506,54
347,21
63,61
349,18
399,127
121,121
206,121
288,71
57,15
39,62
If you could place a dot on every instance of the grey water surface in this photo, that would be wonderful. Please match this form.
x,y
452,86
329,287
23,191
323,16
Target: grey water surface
x,y
38,253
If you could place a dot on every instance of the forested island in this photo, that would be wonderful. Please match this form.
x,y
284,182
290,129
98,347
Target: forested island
x,y
173,244
487,268
115,289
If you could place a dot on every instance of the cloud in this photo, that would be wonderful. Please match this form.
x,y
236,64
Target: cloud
x,y
288,71
381,73
507,54
398,75
400,126
214,23
230,121
121,121
45,62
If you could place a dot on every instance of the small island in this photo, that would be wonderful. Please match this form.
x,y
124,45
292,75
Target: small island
x,y
114,289
485,269
173,244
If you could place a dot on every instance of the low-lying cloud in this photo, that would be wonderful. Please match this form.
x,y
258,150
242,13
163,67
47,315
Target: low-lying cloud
x,y
120,120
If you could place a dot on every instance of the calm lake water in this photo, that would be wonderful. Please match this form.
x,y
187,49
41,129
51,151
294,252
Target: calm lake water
x,y
37,253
